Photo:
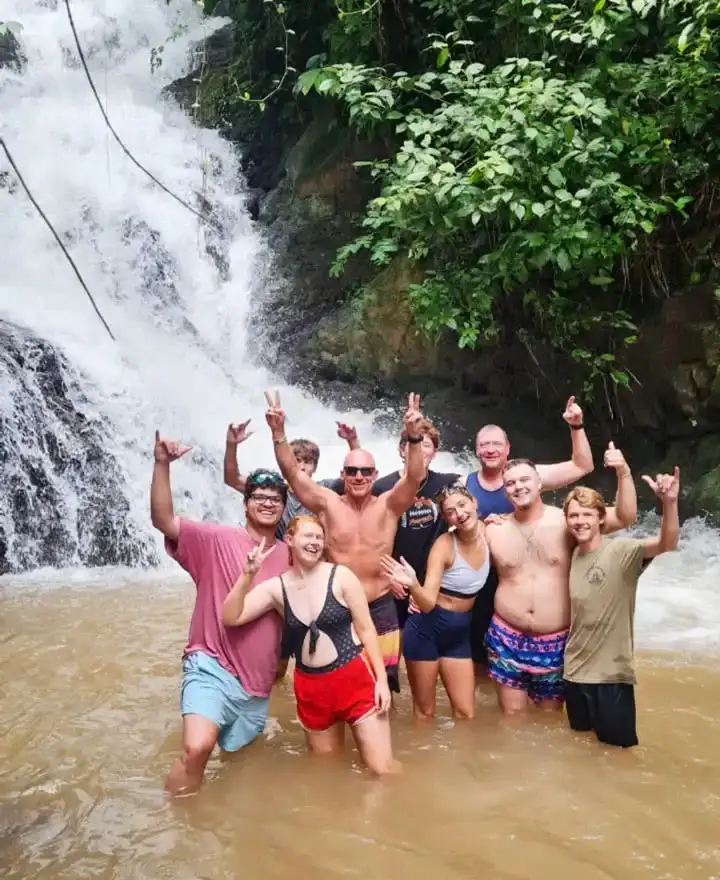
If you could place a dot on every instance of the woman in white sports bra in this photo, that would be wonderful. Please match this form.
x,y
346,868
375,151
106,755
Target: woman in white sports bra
x,y
437,640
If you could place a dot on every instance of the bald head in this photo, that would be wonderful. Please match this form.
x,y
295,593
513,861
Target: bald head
x,y
359,458
358,474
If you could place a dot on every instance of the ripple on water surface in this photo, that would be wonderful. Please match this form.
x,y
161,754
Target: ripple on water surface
x,y
90,724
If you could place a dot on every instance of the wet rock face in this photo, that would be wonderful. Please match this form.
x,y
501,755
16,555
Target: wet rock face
x,y
11,52
62,499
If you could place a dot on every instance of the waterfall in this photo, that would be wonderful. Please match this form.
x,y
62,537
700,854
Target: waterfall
x,y
78,411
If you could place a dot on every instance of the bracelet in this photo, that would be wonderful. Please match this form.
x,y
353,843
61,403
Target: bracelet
x,y
415,439
579,427
280,440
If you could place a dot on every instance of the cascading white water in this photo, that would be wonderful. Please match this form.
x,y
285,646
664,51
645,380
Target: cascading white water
x,y
180,360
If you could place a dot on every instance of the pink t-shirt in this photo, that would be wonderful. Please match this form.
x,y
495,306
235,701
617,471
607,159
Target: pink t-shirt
x,y
213,556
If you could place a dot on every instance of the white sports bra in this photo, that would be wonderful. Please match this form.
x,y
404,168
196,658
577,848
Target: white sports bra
x,y
461,580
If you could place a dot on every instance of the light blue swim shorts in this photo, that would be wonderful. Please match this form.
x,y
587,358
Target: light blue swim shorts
x,y
210,691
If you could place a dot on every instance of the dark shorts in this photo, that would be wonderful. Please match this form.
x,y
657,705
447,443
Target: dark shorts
x,y
384,616
481,615
606,709
402,606
437,634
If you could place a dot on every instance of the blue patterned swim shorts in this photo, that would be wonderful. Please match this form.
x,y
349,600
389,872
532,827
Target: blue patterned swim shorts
x,y
531,662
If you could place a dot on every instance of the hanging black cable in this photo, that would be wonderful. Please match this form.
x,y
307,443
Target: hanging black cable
x,y
52,229
109,124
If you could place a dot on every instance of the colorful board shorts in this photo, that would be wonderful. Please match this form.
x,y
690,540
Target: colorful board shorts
x,y
531,662
436,634
326,698
212,692
384,616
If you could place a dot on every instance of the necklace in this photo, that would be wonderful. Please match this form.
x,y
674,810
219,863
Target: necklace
x,y
471,540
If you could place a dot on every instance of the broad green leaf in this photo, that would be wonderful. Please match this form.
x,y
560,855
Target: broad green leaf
x,y
563,261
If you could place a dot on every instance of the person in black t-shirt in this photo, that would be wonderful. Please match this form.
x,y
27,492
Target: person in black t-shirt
x,y
421,525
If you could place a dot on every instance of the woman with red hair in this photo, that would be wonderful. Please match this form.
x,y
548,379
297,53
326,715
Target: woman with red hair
x,y
339,674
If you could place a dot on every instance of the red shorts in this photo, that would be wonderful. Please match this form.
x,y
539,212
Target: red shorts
x,y
345,694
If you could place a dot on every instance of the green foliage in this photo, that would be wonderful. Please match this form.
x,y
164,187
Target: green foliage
x,y
537,149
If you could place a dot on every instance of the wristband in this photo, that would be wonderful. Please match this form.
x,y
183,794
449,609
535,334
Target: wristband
x,y
280,440
579,427
415,439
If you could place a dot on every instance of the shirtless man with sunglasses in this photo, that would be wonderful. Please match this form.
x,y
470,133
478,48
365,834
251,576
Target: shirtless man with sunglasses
x,y
360,527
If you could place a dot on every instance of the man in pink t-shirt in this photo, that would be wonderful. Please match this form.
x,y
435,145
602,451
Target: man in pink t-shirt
x,y
228,673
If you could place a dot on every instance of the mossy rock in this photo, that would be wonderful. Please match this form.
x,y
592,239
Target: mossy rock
x,y
375,336
703,496
323,143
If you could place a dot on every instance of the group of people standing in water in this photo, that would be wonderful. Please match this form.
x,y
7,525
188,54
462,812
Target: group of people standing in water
x,y
460,576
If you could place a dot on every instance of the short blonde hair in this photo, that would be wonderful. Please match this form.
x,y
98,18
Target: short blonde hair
x,y
585,497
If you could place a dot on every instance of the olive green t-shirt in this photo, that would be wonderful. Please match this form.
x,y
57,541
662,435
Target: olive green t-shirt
x,y
603,585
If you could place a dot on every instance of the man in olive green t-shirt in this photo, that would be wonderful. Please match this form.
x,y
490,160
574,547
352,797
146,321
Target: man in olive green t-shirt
x,y
599,668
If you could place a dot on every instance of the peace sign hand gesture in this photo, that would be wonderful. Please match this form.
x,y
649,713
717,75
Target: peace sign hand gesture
x,y
413,417
168,450
255,558
275,415
665,486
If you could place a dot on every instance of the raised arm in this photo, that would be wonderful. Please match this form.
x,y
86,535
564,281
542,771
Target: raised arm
x,y
309,493
357,603
162,513
563,473
236,434
404,492
240,607
624,513
349,434
402,573
667,489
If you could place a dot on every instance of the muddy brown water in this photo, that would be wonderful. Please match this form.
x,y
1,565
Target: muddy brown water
x,y
90,725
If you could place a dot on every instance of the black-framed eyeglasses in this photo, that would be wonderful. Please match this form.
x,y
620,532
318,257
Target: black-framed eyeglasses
x,y
266,500
353,471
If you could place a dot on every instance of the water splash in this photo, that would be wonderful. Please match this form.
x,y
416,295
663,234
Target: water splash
x,y
180,316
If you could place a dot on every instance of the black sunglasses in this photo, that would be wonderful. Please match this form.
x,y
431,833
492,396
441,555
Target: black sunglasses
x,y
352,471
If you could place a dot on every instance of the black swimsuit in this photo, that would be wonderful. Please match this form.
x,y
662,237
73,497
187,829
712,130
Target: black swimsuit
x,y
334,620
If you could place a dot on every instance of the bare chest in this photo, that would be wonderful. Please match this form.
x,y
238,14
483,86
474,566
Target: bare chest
x,y
360,537
518,549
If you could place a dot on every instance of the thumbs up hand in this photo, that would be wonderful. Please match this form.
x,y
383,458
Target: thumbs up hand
x,y
615,459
